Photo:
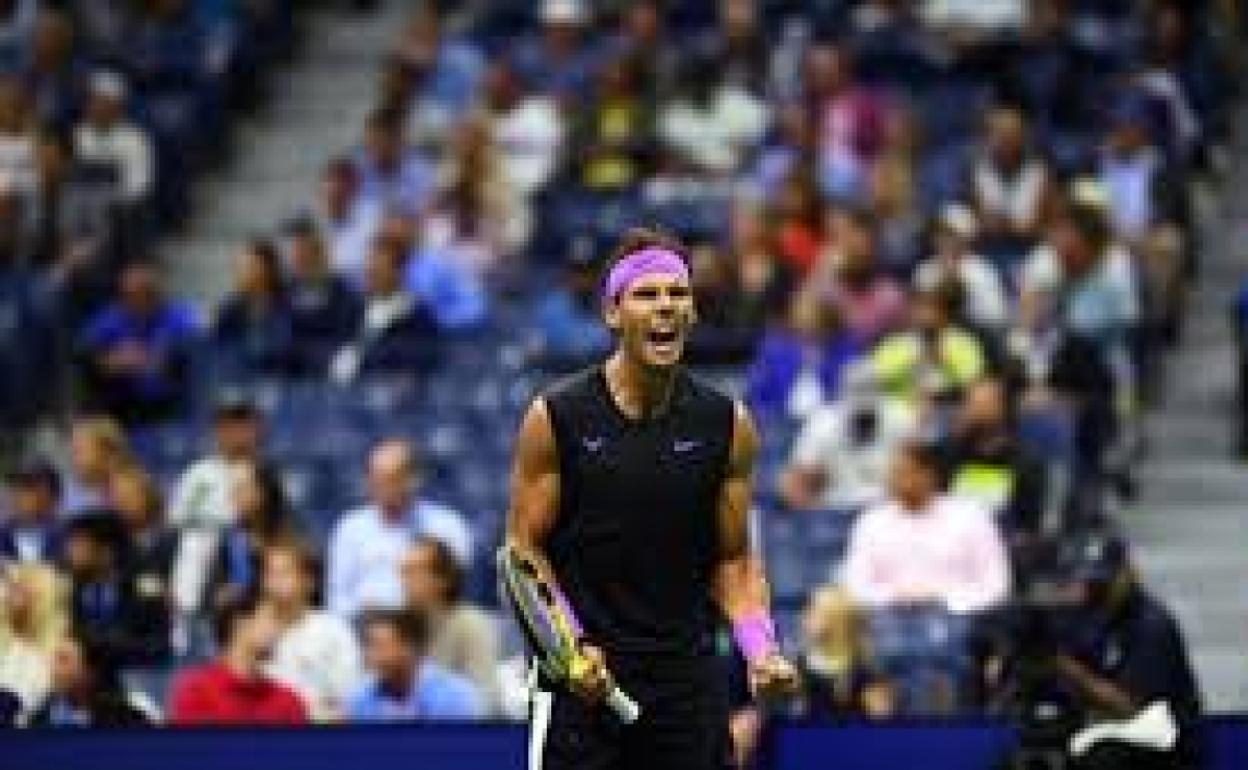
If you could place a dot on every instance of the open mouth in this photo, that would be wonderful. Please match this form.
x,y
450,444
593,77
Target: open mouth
x,y
663,337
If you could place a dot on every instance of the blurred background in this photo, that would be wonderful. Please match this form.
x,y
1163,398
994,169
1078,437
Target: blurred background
x,y
278,278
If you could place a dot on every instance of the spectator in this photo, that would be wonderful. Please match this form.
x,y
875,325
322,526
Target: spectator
x,y
798,234
438,271
613,140
1084,272
32,620
316,652
840,460
138,350
97,449
1140,187
233,689
923,547
986,463
107,136
349,218
850,120
74,223
559,62
150,547
31,532
838,678
262,517
17,138
764,283
391,173
407,684
86,690
203,499
728,326
1066,378
253,334
738,43
791,145
1180,76
463,638
1010,183
398,333
568,327
325,309
444,75
478,216
710,124
107,600
53,69
934,359
891,198
27,328
800,365
642,41
984,299
527,129
17,22
849,276
368,543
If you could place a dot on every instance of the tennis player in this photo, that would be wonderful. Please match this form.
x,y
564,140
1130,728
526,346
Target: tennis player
x,y
630,491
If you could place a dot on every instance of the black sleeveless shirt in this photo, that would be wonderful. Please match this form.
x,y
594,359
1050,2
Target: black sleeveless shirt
x,y
637,535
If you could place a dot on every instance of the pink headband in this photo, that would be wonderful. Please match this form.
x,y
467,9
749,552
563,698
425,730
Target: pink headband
x,y
654,260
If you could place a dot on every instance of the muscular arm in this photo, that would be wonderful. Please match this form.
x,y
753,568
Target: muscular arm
x,y
534,508
534,489
740,585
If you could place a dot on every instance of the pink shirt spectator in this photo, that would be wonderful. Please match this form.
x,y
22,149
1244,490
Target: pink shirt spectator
x,y
951,553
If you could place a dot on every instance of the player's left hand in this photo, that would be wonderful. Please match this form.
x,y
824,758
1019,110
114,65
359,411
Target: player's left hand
x,y
773,677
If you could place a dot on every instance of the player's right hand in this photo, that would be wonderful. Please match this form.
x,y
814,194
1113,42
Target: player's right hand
x,y
590,680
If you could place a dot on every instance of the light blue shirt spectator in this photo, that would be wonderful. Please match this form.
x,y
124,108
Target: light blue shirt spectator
x,y
435,693
366,548
452,292
409,185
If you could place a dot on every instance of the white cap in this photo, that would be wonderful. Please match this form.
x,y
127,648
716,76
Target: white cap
x,y
109,84
562,12
959,219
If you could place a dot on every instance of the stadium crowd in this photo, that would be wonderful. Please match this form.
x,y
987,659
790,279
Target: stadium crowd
x,y
940,248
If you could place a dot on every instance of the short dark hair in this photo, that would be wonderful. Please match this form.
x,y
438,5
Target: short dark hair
x,y
928,456
411,626
1092,223
446,565
229,612
638,238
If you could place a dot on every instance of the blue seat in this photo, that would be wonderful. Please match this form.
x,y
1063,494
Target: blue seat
x,y
785,557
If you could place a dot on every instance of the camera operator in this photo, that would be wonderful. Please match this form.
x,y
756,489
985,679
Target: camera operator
x,y
1099,649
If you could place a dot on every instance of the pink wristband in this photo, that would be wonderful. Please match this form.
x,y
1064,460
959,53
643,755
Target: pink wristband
x,y
755,635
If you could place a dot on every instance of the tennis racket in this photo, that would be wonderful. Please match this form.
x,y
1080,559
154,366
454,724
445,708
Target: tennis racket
x,y
551,634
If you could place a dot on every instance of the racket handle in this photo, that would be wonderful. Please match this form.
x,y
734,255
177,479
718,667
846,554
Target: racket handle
x,y
623,706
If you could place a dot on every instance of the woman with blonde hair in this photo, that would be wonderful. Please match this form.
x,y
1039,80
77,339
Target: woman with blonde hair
x,y
838,679
98,447
33,618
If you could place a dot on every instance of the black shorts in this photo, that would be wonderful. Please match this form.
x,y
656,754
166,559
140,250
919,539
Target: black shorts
x,y
683,724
